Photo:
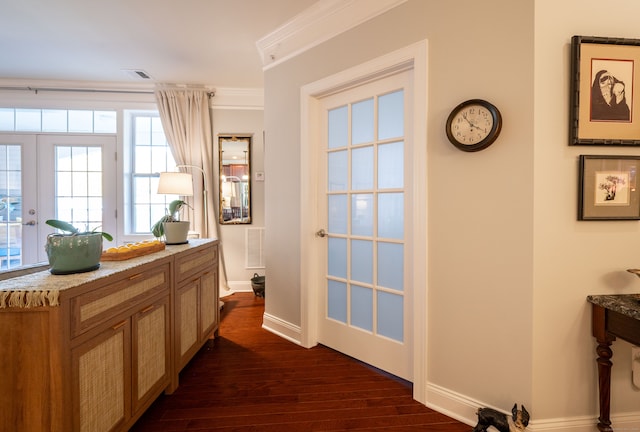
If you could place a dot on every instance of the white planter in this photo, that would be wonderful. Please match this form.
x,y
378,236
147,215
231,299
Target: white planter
x,y
176,232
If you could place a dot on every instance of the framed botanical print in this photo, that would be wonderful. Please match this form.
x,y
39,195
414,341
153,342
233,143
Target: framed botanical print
x,y
605,103
609,188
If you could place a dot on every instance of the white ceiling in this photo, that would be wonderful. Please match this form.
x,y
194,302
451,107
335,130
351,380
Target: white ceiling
x,y
194,42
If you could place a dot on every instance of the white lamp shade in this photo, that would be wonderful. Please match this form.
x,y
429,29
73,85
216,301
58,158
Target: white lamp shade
x,y
175,183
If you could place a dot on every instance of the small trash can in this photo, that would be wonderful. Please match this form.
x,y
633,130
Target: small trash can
x,y
257,283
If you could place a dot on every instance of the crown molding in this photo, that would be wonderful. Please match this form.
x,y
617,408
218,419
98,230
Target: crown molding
x,y
238,98
317,24
225,97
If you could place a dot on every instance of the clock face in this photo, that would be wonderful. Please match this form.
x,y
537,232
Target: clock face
x,y
473,125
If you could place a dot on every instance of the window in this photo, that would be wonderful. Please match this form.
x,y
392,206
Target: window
x,y
150,156
57,120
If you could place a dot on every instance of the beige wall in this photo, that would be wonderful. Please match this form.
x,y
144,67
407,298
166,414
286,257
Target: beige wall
x,y
574,259
509,265
249,122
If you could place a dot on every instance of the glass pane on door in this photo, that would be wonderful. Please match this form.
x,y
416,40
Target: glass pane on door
x,y
78,192
365,194
10,207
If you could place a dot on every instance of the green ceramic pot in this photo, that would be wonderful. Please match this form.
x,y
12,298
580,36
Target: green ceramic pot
x,y
74,253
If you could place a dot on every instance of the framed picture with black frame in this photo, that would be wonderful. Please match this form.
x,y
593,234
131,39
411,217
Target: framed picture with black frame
x,y
608,188
605,104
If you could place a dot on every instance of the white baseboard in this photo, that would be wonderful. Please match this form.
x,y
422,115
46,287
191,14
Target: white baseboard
x,y
235,286
282,328
463,409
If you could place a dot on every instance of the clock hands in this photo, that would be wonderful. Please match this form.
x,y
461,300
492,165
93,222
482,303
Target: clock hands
x,y
471,124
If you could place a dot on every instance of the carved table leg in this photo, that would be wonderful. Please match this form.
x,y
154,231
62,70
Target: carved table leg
x,y
604,384
604,339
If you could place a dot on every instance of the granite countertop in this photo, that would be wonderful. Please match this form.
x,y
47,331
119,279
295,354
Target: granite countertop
x,y
626,304
44,282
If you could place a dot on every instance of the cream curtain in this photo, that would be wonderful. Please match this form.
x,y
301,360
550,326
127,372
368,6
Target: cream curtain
x,y
186,121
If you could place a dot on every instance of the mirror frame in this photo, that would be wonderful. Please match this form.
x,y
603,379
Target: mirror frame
x,y
227,214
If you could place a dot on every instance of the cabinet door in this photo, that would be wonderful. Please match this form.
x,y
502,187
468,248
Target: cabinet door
x,y
187,321
150,335
209,308
101,380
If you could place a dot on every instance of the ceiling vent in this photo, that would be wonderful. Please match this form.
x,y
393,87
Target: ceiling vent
x,y
137,74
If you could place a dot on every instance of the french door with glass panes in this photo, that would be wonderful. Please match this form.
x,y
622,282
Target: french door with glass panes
x,y
366,307
68,177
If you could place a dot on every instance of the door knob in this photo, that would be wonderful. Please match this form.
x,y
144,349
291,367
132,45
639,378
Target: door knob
x,y
30,223
321,233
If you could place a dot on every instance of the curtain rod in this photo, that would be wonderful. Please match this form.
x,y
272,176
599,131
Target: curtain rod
x,y
81,90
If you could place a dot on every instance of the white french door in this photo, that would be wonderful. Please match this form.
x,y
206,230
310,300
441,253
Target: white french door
x,y
364,190
69,177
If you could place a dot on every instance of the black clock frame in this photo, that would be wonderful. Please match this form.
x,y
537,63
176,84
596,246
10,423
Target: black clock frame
x,y
493,133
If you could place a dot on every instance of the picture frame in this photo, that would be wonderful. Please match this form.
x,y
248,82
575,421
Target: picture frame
x,y
605,103
608,188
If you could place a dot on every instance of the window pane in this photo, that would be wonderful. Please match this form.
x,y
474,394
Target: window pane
x,y
54,120
7,119
390,315
362,168
338,213
80,121
391,165
28,120
362,260
157,133
94,159
151,155
338,127
337,300
362,122
338,171
142,159
337,258
362,214
160,159
391,265
391,115
104,122
142,131
362,307
391,215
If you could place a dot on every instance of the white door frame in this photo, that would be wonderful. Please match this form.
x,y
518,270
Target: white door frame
x,y
411,57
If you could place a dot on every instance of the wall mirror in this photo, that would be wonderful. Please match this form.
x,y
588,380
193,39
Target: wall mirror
x,y
235,179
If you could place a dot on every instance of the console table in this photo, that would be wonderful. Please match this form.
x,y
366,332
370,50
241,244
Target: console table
x,y
613,316
90,352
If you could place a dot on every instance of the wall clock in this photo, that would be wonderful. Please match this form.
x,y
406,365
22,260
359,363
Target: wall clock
x,y
473,125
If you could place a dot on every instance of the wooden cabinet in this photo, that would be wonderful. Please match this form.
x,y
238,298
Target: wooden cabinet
x,y
120,348
97,360
196,311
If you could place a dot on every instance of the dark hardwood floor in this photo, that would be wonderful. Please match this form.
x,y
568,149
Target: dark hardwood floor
x,y
253,380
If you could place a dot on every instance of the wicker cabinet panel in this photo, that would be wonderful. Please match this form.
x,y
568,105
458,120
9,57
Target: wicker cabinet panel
x,y
96,306
101,378
187,311
194,262
151,348
209,308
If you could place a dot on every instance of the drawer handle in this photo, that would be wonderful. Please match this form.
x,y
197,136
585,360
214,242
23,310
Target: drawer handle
x,y
135,276
117,326
147,309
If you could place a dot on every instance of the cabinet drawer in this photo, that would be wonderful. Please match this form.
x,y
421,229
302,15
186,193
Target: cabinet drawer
x,y
189,264
97,306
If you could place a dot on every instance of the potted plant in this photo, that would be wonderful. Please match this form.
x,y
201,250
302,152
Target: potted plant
x,y
73,251
170,226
